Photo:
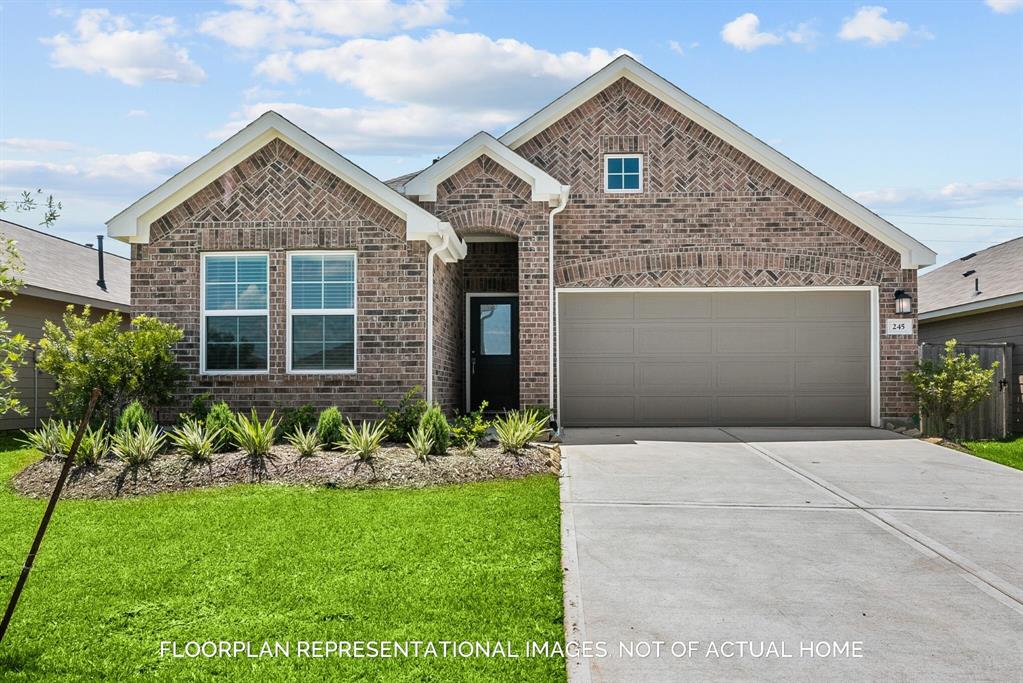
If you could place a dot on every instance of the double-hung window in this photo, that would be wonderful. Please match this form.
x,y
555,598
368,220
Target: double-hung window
x,y
623,173
235,313
321,311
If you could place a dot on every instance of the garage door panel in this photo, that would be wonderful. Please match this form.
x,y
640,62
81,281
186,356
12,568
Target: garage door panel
x,y
606,306
667,378
743,306
673,410
599,339
741,376
754,410
673,306
607,377
849,306
597,410
659,338
832,374
834,340
753,339
837,410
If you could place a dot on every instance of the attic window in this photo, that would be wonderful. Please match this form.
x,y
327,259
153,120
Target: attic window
x,y
623,173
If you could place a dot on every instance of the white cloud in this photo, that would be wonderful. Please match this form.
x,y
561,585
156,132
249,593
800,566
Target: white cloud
x,y
37,145
956,195
744,33
137,113
107,43
280,24
805,34
675,47
869,24
105,171
1004,6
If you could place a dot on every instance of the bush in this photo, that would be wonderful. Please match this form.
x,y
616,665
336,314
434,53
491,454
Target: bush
x,y
252,436
196,439
220,419
305,441
401,421
132,416
292,418
46,439
200,407
139,447
470,427
469,448
94,446
947,390
329,427
421,443
126,364
517,428
364,441
436,425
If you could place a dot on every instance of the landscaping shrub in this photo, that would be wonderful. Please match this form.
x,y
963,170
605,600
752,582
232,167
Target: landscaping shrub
x,y
469,448
329,427
94,446
434,422
200,407
292,418
132,416
364,441
196,439
948,389
138,447
516,428
126,364
220,418
252,436
421,442
401,421
470,427
305,441
46,439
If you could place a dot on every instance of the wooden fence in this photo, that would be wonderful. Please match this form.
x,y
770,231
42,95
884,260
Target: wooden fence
x,y
993,418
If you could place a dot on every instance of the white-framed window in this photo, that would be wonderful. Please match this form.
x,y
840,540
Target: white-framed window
x,y
321,312
235,313
623,173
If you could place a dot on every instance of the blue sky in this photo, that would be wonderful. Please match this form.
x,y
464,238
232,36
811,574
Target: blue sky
x,y
915,109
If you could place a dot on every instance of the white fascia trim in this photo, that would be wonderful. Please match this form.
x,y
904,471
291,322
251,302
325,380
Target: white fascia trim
x,y
132,225
974,307
424,186
914,254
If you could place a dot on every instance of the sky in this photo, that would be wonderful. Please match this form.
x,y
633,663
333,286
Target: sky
x,y
914,109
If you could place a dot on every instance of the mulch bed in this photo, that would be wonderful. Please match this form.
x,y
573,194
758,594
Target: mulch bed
x,y
393,467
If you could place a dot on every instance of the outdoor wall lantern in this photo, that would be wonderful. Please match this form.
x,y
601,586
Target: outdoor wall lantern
x,y
903,302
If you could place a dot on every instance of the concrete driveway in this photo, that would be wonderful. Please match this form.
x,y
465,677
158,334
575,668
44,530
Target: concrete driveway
x,y
779,553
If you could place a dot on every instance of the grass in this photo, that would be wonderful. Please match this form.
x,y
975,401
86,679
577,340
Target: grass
x,y
258,563
1007,451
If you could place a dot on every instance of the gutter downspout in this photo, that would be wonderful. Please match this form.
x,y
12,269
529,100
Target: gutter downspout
x,y
553,398
429,314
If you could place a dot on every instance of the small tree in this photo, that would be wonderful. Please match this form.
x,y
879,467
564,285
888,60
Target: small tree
x,y
127,364
948,389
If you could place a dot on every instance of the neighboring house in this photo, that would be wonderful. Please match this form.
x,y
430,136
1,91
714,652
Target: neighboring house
x,y
979,298
626,255
57,272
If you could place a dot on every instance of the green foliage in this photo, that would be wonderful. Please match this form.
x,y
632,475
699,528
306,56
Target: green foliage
x,y
46,439
364,441
401,421
436,425
196,439
292,418
200,407
66,433
305,441
138,447
421,442
13,347
126,364
948,389
470,427
469,448
329,427
54,437
132,416
94,446
541,411
516,428
252,436
220,418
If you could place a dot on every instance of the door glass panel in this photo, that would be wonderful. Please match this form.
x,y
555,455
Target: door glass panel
x,y
495,329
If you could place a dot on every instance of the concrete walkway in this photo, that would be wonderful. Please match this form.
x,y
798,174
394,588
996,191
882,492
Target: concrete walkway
x,y
762,542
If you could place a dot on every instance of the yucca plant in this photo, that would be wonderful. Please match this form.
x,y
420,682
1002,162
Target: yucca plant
x,y
46,439
469,447
139,446
364,441
421,442
66,435
94,446
196,440
305,441
252,436
516,428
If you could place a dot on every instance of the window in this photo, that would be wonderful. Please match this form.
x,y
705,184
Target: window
x,y
623,173
321,312
495,329
235,315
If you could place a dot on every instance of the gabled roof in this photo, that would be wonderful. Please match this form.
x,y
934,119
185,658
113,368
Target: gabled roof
x,y
62,270
952,289
424,185
914,254
132,224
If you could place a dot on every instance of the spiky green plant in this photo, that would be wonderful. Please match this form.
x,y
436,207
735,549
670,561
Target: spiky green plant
x,y
66,434
196,439
305,441
252,436
516,428
421,442
363,441
94,446
469,447
46,439
138,447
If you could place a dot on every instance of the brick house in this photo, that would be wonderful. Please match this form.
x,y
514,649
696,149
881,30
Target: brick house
x,y
626,255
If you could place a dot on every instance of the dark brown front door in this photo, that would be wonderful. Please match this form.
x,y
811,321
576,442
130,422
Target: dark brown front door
x,y
494,352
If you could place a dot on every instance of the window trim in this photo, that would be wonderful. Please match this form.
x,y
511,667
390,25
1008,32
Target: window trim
x,y
607,189
353,311
203,313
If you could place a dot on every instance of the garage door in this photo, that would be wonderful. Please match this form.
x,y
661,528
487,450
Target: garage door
x,y
715,358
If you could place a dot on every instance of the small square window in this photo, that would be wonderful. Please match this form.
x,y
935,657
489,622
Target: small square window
x,y
623,173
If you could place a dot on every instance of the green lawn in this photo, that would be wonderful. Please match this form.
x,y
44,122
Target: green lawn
x,y
1008,452
272,563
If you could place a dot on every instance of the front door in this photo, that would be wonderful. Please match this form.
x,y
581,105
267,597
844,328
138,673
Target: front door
x,y
494,352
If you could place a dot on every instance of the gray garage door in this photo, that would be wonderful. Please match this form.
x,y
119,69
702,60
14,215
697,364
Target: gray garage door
x,y
715,358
